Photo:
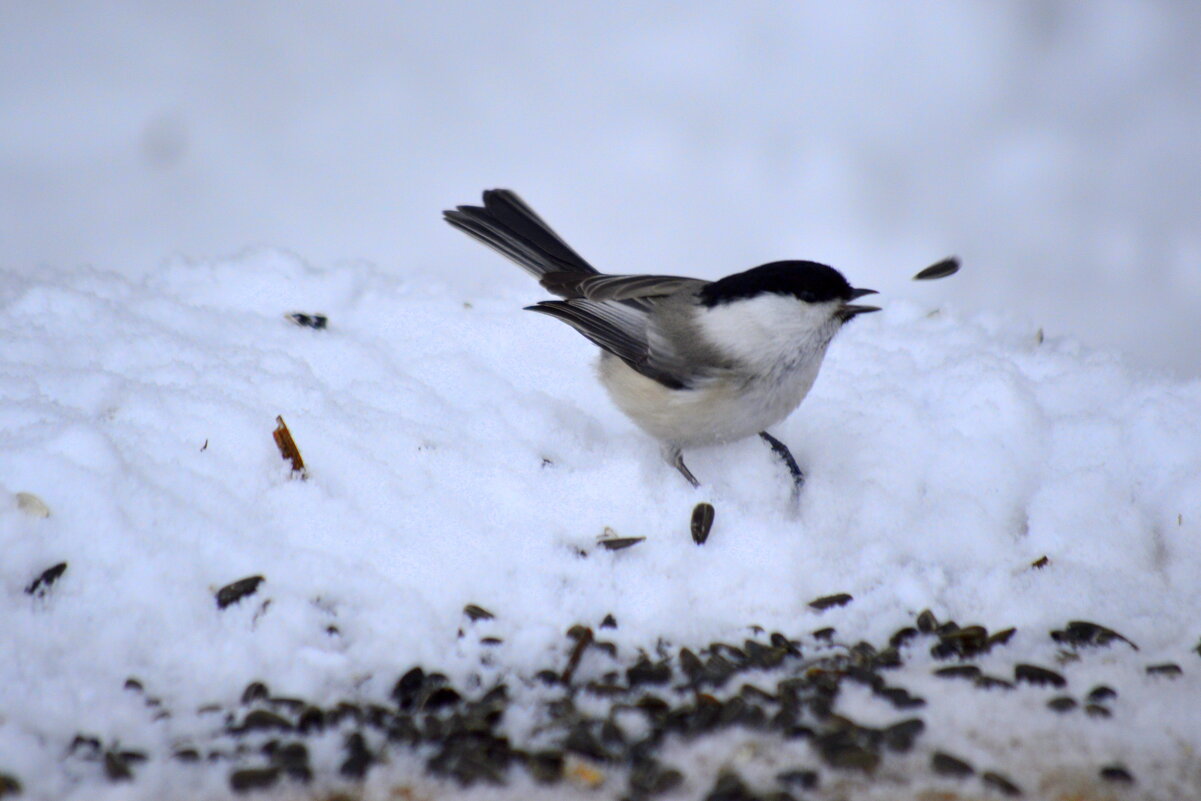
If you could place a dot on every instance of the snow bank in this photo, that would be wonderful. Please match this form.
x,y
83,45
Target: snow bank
x,y
459,451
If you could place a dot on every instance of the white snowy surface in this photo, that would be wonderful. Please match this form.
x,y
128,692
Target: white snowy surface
x,y
459,451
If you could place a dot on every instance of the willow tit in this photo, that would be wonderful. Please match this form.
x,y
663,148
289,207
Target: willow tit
x,y
691,362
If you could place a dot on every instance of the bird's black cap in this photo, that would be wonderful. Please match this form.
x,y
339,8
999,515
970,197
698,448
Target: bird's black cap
x,y
805,280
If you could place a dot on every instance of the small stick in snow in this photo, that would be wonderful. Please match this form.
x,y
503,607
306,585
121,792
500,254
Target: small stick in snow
x,y
287,447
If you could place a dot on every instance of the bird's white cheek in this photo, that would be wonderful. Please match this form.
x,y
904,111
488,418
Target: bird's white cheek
x,y
766,329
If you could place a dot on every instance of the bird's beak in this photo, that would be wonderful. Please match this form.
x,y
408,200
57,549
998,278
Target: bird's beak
x,y
850,310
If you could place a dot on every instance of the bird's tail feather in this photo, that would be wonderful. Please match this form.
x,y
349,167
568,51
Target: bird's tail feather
x,y
506,224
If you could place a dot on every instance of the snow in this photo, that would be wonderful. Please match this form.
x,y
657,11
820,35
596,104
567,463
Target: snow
x,y
460,451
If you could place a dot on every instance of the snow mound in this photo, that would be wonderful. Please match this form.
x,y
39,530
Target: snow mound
x,y
460,452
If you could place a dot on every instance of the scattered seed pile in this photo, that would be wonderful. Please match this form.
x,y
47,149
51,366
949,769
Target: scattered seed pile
x,y
616,727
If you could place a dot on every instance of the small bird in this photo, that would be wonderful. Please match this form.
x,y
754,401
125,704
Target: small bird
x,y
691,362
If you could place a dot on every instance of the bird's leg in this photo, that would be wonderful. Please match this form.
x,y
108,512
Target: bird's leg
x,y
671,453
781,450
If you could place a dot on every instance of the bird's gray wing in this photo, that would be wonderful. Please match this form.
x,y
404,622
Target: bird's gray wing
x,y
506,224
617,287
620,329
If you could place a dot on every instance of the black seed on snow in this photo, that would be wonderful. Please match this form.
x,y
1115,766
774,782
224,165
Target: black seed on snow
x,y
1167,669
9,785
609,622
605,690
762,656
1084,633
950,627
187,755
926,622
702,522
755,695
1101,693
803,779
649,778
312,720
840,750
40,585
491,641
691,664
408,688
900,736
1001,637
900,698
958,672
999,783
902,636
116,768
1040,562
729,787
644,672
778,640
440,699
314,321
1097,711
90,745
830,601
729,651
826,634
133,684
1063,703
242,588
548,677
255,691
888,658
477,612
1038,676
992,682
262,720
580,740
241,781
358,758
1116,773
618,543
946,765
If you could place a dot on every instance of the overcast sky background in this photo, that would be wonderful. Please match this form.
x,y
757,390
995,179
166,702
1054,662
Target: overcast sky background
x,y
1056,147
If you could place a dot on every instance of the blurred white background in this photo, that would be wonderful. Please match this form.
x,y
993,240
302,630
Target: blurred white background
x,y
1055,146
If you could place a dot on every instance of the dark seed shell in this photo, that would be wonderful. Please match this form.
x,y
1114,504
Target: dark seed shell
x,y
1039,676
1001,784
958,672
618,543
253,779
45,579
702,522
943,269
1063,703
1166,669
477,612
232,593
829,601
1116,773
946,765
